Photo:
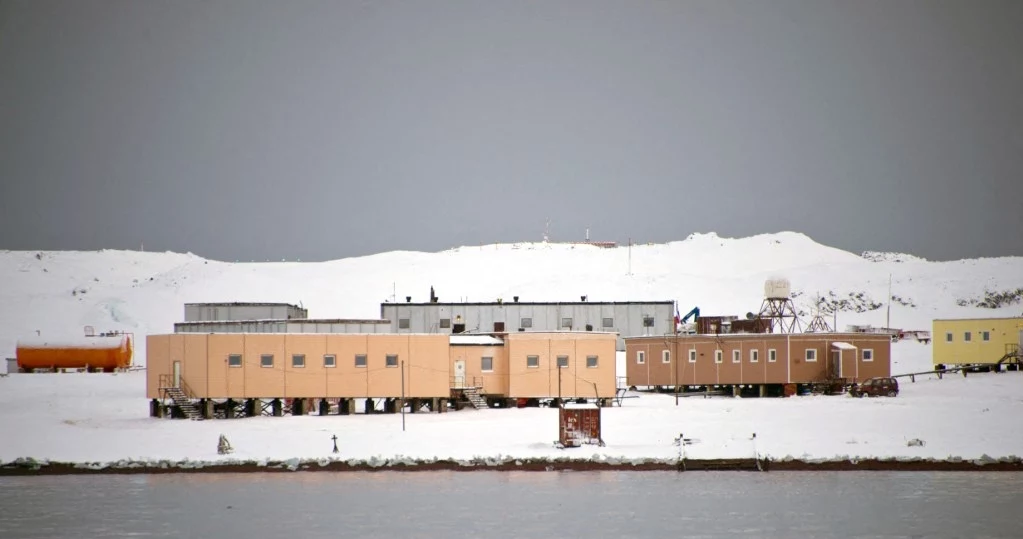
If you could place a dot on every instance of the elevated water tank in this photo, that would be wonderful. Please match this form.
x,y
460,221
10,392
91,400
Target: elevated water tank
x,y
777,289
106,353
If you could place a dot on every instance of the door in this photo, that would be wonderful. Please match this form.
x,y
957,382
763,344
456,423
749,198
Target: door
x,y
836,363
459,373
177,374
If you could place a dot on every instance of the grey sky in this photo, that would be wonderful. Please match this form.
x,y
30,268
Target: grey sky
x,y
316,130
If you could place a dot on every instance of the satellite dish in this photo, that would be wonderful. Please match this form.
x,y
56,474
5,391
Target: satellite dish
x,y
750,316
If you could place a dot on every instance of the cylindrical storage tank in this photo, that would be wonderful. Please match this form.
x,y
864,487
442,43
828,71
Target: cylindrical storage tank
x,y
777,288
107,353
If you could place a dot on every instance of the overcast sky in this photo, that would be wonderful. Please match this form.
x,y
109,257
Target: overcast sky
x,y
255,130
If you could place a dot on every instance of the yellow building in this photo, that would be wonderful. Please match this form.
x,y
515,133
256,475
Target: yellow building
x,y
976,340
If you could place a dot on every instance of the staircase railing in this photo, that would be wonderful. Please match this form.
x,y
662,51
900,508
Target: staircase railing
x,y
460,382
166,381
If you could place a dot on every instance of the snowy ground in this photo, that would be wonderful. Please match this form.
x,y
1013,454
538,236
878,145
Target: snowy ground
x,y
61,417
104,418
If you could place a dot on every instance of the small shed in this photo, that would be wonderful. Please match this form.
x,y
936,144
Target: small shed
x,y
579,424
12,365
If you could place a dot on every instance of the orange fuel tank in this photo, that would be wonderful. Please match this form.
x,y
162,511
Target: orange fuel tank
x,y
106,352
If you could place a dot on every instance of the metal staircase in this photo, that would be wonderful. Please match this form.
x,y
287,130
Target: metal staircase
x,y
473,394
1012,354
182,401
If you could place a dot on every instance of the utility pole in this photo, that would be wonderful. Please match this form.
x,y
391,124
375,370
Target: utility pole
x,y
630,256
403,395
888,317
559,381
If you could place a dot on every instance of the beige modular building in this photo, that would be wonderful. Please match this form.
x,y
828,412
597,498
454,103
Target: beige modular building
x,y
197,370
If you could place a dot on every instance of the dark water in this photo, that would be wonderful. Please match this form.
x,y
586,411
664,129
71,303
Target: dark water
x,y
515,504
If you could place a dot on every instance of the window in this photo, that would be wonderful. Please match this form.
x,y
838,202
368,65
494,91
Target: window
x,y
736,356
868,355
948,337
811,355
391,360
486,364
329,361
665,356
298,360
591,362
754,356
985,336
772,355
445,323
234,360
692,355
360,360
562,362
532,361
403,323
608,323
967,336
648,321
640,357
566,323
266,360
718,356
526,323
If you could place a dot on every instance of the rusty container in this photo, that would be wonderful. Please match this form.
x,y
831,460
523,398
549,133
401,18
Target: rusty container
x,y
100,353
579,424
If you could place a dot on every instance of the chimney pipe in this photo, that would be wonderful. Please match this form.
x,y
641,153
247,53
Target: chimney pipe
x,y
408,299
516,298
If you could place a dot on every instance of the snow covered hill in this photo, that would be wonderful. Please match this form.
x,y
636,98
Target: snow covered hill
x,y
57,293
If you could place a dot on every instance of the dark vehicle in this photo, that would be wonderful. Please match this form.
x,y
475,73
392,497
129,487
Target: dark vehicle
x,y
876,387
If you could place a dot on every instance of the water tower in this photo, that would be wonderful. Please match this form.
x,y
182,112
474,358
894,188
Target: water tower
x,y
778,307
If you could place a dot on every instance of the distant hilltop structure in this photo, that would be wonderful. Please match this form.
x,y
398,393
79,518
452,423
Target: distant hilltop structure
x,y
587,241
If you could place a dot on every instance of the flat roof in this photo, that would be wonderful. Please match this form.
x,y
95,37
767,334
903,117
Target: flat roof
x,y
287,320
242,304
528,303
1020,318
320,333
845,334
474,340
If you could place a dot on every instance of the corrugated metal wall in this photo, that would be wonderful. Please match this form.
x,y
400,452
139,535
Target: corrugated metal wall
x,y
625,318
201,312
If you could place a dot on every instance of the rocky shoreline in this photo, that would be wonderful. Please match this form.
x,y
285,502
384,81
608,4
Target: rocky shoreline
x,y
29,467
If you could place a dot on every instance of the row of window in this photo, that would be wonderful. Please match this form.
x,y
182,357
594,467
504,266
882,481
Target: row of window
x,y
754,356
609,323
533,362
298,361
968,336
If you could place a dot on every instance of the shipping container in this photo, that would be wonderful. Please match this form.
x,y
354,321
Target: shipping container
x,y
579,424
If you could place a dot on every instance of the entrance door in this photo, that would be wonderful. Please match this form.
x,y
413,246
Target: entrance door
x,y
459,373
177,374
836,363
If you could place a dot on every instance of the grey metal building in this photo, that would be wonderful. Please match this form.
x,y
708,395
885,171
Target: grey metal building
x,y
202,312
627,318
308,325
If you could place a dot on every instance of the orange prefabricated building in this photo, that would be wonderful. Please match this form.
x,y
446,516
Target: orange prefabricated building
x,y
417,366
106,353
